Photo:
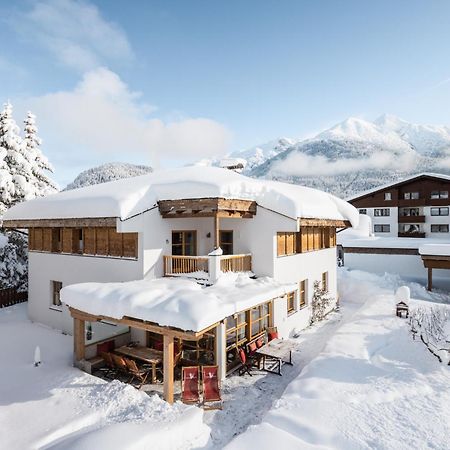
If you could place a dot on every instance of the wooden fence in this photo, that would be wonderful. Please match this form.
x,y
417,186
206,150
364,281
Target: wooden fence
x,y
10,296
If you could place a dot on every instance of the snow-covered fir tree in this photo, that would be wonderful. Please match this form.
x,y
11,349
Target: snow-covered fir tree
x,y
39,163
22,177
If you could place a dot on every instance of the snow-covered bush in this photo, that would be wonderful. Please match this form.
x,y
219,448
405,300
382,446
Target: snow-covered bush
x,y
432,326
321,300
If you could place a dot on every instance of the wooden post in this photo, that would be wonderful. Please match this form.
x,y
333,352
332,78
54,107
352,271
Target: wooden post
x,y
78,339
430,279
216,232
168,368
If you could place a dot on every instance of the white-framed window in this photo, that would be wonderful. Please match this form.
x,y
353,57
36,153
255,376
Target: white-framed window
x,y
382,212
411,195
56,287
439,211
441,228
387,196
439,194
381,228
363,211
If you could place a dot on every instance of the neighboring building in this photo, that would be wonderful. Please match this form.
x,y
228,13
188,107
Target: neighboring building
x,y
158,235
416,207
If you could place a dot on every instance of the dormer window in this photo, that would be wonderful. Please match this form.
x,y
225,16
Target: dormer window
x,y
387,196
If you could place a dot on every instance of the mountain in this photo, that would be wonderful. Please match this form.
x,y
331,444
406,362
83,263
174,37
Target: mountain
x,y
357,154
107,172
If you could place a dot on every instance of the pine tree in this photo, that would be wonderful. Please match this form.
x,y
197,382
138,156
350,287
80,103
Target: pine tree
x,y
15,158
6,182
39,163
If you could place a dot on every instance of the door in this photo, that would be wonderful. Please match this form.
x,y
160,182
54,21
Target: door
x,y
184,243
226,241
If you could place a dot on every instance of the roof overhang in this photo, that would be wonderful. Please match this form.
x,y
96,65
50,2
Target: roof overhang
x,y
60,223
207,207
306,222
436,261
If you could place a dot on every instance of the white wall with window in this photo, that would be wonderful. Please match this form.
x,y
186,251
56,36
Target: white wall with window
x,y
383,216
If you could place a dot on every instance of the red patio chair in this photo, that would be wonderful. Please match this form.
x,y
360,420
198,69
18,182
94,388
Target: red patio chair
x,y
246,364
211,389
272,333
189,384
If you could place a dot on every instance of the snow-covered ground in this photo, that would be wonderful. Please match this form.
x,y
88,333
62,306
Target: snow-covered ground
x,y
359,381
372,387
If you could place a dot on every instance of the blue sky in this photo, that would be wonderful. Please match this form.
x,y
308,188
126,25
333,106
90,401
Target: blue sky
x,y
165,82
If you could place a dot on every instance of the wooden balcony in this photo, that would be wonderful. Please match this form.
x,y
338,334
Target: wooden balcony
x,y
411,219
236,263
198,266
415,234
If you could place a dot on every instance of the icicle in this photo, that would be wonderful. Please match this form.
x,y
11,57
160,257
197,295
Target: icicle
x,y
37,356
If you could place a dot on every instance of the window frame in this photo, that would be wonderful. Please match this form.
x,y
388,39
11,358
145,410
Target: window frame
x,y
438,195
224,245
302,294
291,303
183,243
56,287
382,212
382,225
445,227
387,196
362,211
439,208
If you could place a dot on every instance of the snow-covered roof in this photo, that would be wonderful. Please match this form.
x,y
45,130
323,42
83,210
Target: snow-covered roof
x,y
388,242
395,183
176,302
128,197
441,249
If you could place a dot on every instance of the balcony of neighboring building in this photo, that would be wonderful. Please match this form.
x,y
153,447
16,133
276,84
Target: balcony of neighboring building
x,y
413,230
411,215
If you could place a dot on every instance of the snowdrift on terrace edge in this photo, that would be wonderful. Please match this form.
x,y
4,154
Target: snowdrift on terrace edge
x,y
128,197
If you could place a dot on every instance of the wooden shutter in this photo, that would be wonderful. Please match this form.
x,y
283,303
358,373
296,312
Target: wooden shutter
x,y
31,239
130,245
115,242
281,244
47,239
67,240
102,241
38,239
332,237
290,244
304,239
89,241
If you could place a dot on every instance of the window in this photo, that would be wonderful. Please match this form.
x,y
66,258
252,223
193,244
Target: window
x,y
226,241
56,240
77,240
325,281
439,211
302,293
184,243
56,293
260,319
439,194
387,196
411,195
407,212
379,228
410,228
363,211
378,212
291,306
439,228
286,243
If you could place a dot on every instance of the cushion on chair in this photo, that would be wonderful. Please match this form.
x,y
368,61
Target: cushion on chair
x,y
259,343
242,356
252,347
273,335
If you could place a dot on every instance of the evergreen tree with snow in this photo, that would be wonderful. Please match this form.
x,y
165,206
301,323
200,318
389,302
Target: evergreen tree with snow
x,y
8,138
39,163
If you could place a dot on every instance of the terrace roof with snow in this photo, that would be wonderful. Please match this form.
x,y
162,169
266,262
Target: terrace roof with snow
x,y
128,197
398,183
174,302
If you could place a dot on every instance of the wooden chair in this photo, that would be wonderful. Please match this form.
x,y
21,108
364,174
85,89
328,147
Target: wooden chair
x,y
110,371
272,333
120,364
211,389
140,373
189,384
246,364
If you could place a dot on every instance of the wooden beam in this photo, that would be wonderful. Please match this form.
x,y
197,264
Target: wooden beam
x,y
216,232
61,223
436,264
137,323
430,279
381,251
303,221
78,339
168,368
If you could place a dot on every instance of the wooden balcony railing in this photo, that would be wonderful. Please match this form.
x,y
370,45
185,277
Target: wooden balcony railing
x,y
175,265
179,265
411,234
411,219
236,263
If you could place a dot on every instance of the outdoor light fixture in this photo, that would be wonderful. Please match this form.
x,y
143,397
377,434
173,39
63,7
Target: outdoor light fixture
x,y
208,235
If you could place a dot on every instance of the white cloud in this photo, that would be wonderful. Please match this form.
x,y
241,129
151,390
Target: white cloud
x,y
102,115
75,32
300,164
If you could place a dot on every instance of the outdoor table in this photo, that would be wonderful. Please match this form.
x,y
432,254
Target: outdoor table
x,y
278,351
145,354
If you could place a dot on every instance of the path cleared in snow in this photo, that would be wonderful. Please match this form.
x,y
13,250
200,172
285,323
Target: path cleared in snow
x,y
372,387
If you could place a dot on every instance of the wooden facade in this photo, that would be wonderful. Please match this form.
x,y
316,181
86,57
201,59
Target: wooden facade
x,y
96,241
424,185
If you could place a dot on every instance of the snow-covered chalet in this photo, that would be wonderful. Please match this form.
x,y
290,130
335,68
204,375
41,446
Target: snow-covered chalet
x,y
199,259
